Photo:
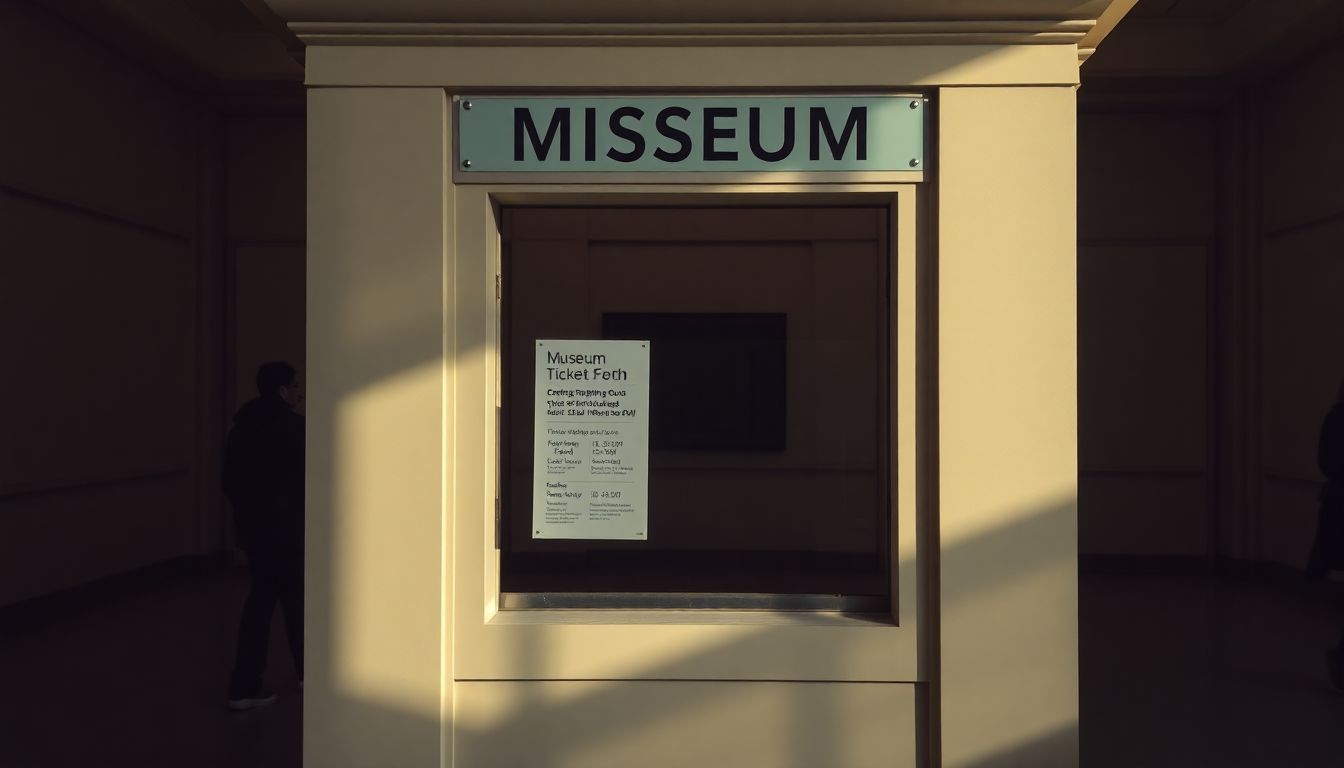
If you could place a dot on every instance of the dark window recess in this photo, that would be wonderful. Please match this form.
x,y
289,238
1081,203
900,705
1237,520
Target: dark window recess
x,y
769,409
716,380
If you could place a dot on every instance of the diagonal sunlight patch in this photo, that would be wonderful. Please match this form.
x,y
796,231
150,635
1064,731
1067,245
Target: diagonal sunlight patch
x,y
988,621
384,545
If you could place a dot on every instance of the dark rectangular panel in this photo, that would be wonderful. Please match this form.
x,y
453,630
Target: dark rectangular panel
x,y
717,379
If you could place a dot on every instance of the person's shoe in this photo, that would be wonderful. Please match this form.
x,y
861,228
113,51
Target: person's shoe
x,y
250,699
1336,662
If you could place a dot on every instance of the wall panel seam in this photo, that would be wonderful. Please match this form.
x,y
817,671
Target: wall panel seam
x,y
1140,472
93,213
30,489
1298,226
1286,479
265,243
1192,241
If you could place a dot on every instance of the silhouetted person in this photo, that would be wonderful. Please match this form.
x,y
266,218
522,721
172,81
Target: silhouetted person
x,y
1327,552
263,478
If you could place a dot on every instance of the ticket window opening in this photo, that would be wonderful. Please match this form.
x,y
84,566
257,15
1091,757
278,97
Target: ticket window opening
x,y
769,375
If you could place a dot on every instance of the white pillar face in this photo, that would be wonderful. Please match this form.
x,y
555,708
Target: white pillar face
x,y
376,452
1007,426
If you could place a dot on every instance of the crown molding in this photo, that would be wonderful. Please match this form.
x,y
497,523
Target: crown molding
x,y
1106,22
1001,32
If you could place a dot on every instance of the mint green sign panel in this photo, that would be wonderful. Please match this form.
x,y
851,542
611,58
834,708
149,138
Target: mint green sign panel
x,y
690,134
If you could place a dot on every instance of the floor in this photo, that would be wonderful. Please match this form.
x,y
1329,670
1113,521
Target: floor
x,y
1176,671
142,681
1188,671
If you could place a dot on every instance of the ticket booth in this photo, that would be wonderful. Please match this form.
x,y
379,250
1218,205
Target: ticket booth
x,y
694,388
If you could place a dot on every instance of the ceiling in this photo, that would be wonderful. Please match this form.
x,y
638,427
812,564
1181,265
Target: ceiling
x,y
237,50
1216,11
1203,38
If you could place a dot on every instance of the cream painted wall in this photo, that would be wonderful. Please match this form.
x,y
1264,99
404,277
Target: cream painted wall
x,y
1147,227
1302,319
109,355
380,454
1007,426
265,214
1211,281
155,249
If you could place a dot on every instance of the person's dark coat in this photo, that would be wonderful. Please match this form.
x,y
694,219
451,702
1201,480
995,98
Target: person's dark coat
x,y
263,475
1327,552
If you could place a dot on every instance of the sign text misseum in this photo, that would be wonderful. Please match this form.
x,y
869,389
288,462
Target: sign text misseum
x,y
758,133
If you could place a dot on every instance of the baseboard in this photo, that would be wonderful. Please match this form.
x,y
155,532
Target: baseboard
x,y
53,606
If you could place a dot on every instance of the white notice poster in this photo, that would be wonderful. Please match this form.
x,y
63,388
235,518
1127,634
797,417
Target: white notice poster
x,y
590,476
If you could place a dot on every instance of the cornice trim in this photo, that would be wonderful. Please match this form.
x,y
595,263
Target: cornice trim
x,y
596,68
834,33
